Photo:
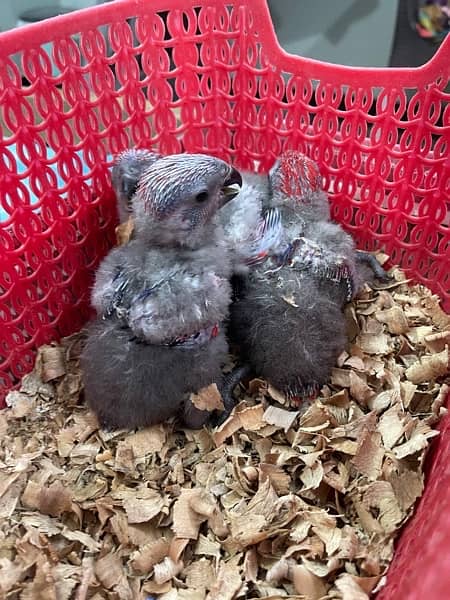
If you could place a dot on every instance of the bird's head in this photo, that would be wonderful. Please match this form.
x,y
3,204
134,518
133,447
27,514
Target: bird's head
x,y
178,197
294,178
126,172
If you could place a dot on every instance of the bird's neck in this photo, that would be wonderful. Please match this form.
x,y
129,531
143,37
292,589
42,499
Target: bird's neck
x,y
288,215
162,237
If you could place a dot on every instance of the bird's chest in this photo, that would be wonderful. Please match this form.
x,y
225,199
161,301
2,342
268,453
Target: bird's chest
x,y
203,291
302,257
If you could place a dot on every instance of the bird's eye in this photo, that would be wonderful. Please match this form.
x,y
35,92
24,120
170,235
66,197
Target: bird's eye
x,y
202,197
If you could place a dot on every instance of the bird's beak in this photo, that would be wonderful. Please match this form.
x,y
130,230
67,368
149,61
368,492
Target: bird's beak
x,y
229,189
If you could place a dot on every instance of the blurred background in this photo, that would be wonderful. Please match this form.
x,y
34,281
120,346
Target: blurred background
x,y
372,33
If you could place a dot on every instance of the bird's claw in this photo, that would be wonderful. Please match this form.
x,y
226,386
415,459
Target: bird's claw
x,y
303,394
349,283
312,391
340,271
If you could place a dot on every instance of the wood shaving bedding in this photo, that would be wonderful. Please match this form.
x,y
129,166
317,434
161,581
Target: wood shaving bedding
x,y
275,503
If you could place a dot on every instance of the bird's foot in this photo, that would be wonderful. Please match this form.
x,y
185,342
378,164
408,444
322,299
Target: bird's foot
x,y
303,394
193,417
226,388
371,261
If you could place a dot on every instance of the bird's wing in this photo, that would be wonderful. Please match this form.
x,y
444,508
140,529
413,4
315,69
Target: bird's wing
x,y
266,238
127,291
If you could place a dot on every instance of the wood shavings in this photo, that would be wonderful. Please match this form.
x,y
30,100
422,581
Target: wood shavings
x,y
417,441
124,232
251,523
208,398
407,487
149,555
372,343
143,508
200,575
228,582
276,394
275,503
391,426
380,495
307,584
394,318
429,367
431,307
50,363
191,509
53,500
109,570
352,588
250,418
284,419
437,342
167,570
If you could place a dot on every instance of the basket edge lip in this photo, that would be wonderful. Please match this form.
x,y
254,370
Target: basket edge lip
x,y
33,34
402,77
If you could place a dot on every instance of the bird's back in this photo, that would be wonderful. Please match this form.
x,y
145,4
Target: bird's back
x,y
288,328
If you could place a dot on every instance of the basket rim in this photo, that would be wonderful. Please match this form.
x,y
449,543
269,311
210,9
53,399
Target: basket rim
x,y
36,34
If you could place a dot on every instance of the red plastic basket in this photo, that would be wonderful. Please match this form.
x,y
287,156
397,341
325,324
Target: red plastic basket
x,y
174,75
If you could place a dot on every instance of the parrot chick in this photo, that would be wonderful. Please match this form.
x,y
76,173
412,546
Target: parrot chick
x,y
161,299
125,174
288,317
315,242
245,228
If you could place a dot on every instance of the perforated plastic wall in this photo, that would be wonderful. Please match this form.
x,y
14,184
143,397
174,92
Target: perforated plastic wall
x,y
421,566
174,75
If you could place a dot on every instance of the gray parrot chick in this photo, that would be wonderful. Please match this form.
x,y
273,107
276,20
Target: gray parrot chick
x,y
288,316
316,242
162,299
125,174
288,330
243,222
296,185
